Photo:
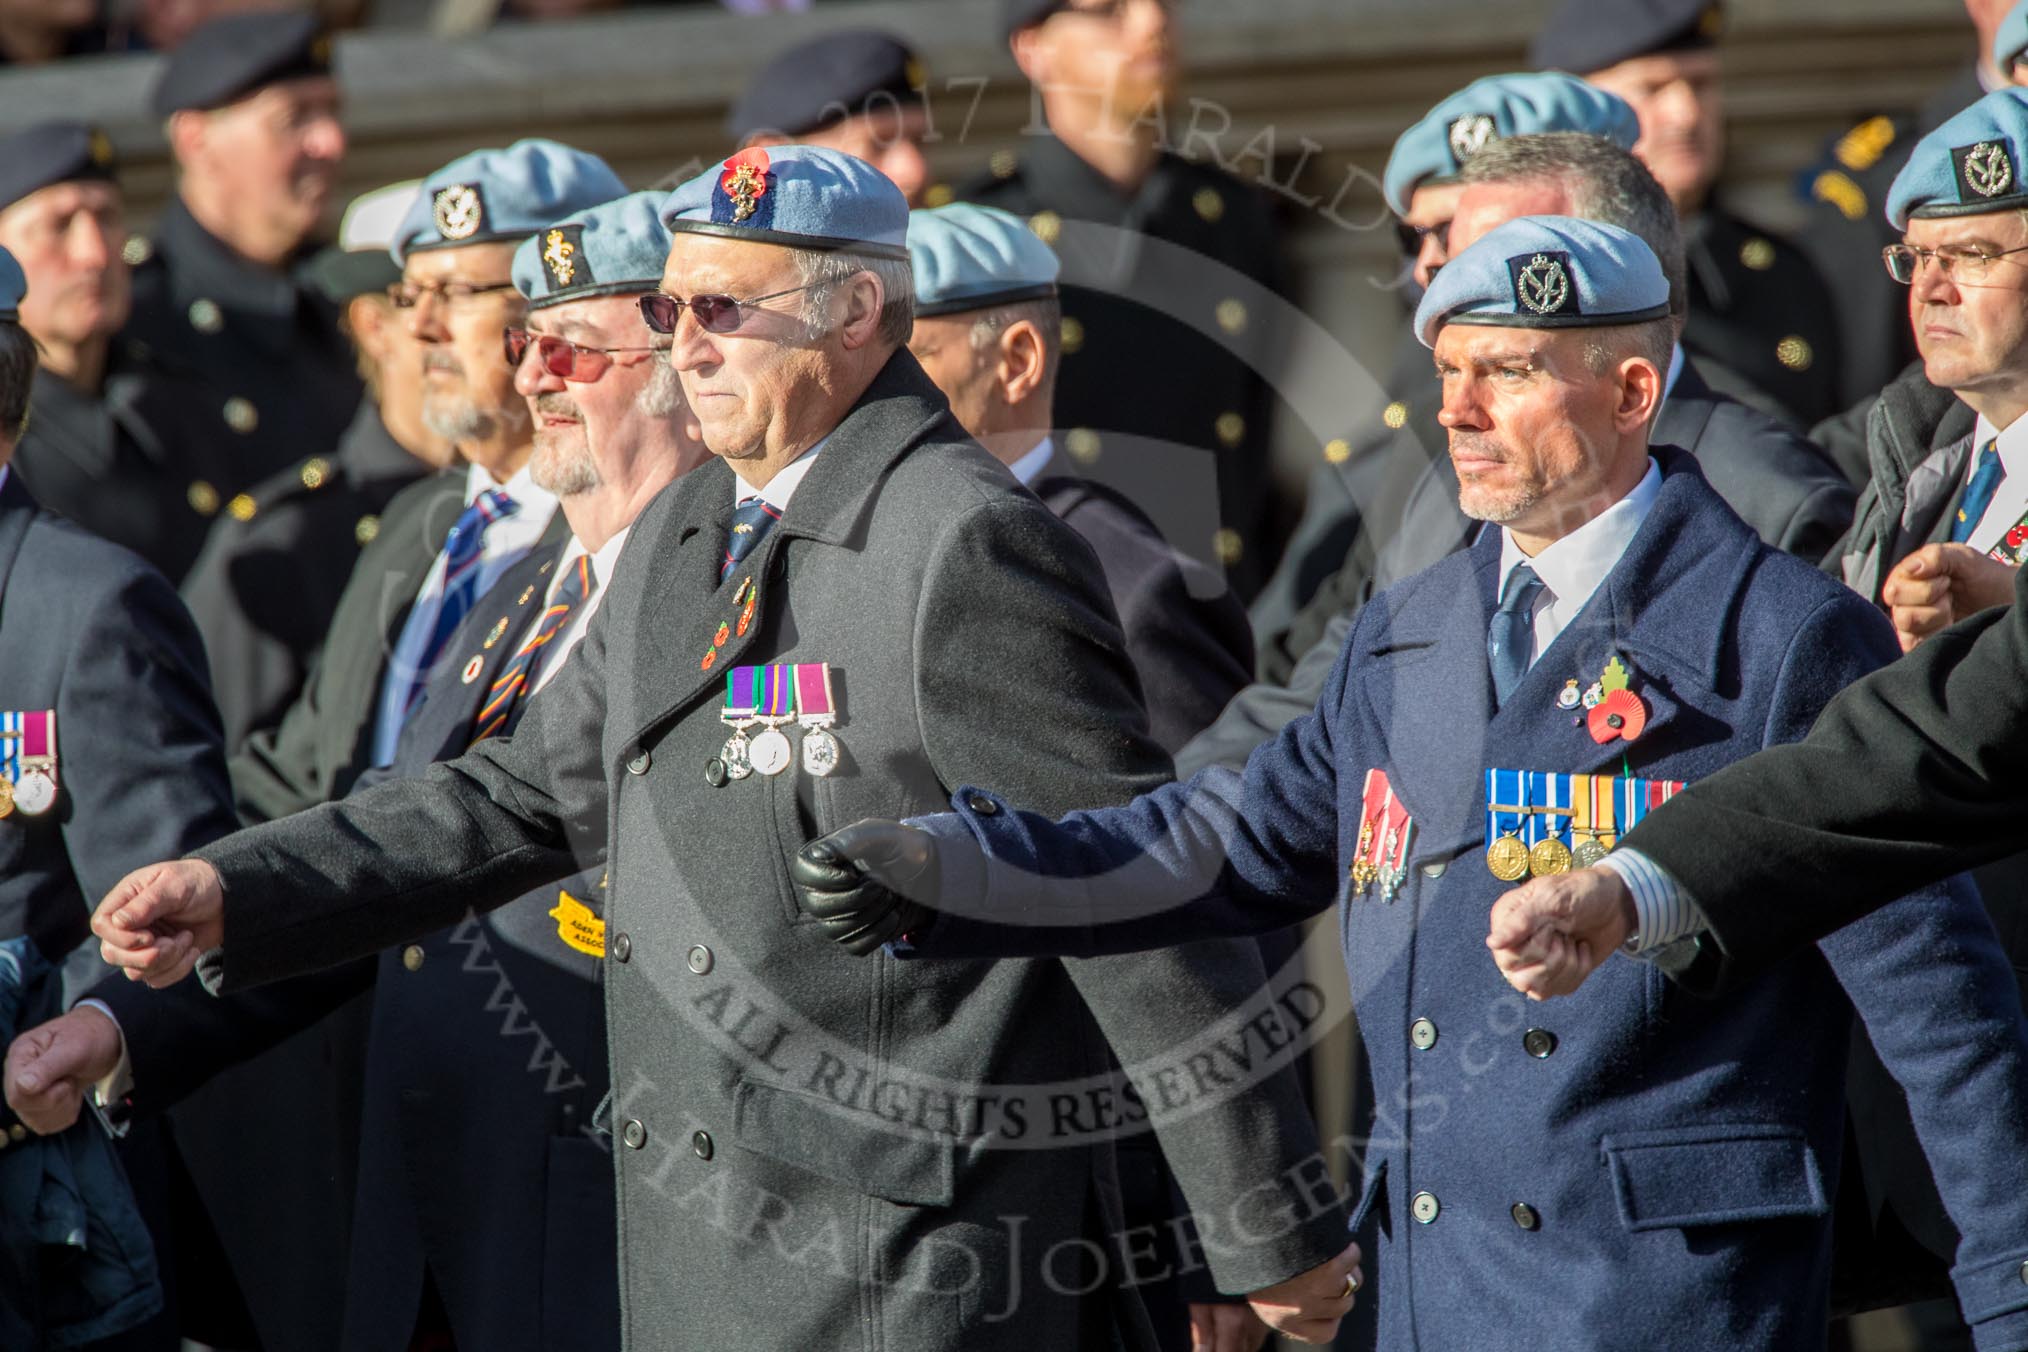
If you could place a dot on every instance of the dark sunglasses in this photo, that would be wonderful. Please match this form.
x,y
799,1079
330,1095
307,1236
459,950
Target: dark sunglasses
x,y
715,314
561,357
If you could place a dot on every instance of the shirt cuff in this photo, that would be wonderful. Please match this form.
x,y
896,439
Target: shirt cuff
x,y
113,1090
1663,911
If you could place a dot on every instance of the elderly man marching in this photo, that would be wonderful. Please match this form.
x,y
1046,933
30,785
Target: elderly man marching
x,y
806,632
1636,1169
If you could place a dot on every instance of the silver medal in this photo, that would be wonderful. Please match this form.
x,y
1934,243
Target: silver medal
x,y
820,752
35,793
734,754
770,753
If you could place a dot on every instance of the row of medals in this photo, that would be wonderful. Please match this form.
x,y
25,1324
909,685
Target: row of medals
x,y
1511,861
33,794
770,754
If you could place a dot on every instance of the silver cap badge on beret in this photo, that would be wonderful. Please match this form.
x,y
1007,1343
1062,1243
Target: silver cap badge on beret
x,y
459,210
1469,135
1541,285
1983,170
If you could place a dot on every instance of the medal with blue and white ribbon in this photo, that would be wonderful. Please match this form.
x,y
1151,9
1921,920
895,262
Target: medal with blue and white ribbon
x,y
1506,800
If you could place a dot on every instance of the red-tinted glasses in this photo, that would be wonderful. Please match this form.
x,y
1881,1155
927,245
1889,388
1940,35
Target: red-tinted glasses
x,y
561,357
715,314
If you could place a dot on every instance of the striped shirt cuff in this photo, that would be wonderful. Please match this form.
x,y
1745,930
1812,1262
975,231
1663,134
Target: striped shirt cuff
x,y
1663,911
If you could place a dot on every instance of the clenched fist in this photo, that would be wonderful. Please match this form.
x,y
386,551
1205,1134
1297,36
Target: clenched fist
x,y
157,921
867,884
50,1068
1308,1306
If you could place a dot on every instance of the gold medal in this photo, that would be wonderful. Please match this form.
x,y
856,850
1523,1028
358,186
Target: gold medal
x,y
6,797
1508,859
1550,855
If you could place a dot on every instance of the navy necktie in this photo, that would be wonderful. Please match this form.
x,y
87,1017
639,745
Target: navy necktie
x,y
751,520
1510,642
1978,493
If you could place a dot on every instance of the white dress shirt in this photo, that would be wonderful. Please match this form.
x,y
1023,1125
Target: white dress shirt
x,y
2010,498
602,564
1030,466
1572,568
783,486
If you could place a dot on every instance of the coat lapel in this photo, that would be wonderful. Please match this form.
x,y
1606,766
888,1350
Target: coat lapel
x,y
17,510
898,411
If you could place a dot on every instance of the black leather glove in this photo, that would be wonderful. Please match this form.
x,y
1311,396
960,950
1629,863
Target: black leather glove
x,y
868,884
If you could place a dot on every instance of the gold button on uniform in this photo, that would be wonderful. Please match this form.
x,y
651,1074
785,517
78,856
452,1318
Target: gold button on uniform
x,y
1795,353
1395,415
137,250
1423,1034
205,316
1047,226
364,529
412,957
1337,451
1231,315
939,195
17,1133
1210,203
1757,254
1227,545
1003,163
1424,1207
240,415
203,498
315,471
242,507
1231,429
1083,445
1071,335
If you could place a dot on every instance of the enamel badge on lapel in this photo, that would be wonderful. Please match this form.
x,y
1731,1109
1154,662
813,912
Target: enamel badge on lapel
x,y
1619,715
499,628
472,670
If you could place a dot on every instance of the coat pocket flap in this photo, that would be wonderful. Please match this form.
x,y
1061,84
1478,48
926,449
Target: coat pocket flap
x,y
1715,1175
822,1138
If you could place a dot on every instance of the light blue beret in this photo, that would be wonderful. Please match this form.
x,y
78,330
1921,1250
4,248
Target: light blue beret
x,y
1547,272
13,286
614,249
1970,165
491,196
807,197
968,257
1493,109
2011,41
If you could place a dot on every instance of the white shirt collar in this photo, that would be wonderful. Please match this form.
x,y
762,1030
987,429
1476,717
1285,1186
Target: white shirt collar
x,y
521,487
783,486
602,562
1572,568
2010,497
1030,466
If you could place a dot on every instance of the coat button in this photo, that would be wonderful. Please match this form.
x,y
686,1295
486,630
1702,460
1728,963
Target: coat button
x,y
1434,869
982,805
700,959
1424,1207
1538,1043
715,773
623,947
634,1134
412,957
701,1142
640,763
1423,1034
2024,1273
17,1133
1525,1217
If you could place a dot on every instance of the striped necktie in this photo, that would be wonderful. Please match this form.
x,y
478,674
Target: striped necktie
x,y
1979,492
509,693
1510,640
751,520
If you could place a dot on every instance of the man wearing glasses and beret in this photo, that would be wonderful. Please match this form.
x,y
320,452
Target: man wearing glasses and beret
x,y
855,609
486,1057
443,542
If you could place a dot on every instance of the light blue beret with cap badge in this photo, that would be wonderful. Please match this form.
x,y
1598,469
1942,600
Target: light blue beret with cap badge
x,y
1970,165
492,196
969,257
1494,109
1547,272
804,197
614,249
13,286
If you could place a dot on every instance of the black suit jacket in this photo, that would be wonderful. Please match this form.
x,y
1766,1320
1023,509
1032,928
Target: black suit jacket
x,y
1186,633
